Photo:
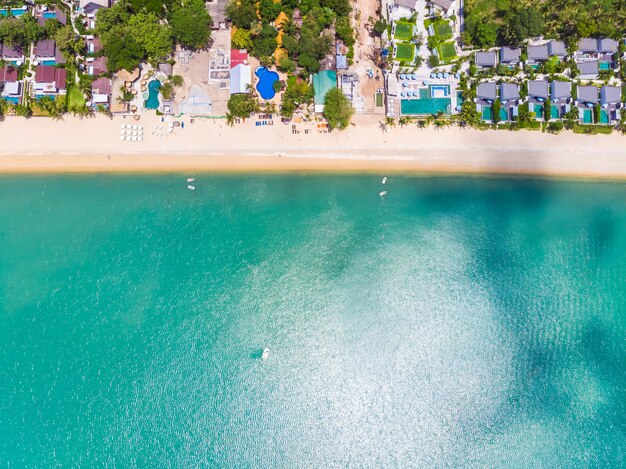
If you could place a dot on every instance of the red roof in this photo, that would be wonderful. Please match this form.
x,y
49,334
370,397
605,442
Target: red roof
x,y
238,56
99,65
102,86
48,74
8,74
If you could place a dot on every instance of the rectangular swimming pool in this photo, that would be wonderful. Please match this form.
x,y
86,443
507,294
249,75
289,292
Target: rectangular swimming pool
x,y
422,107
49,15
439,91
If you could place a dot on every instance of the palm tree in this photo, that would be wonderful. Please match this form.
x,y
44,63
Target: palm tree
x,y
230,119
177,80
390,121
404,120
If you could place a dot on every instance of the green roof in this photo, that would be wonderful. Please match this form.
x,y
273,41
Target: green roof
x,y
323,82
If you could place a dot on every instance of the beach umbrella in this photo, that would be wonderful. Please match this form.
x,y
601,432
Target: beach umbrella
x,y
414,77
440,75
402,76
122,132
141,132
128,138
122,137
446,75
433,75
416,93
403,94
134,139
458,75
406,83
123,126
141,127
140,139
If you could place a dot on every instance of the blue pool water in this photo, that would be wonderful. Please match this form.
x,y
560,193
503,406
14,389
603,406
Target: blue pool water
x,y
4,13
50,15
153,97
48,62
441,88
17,11
265,86
11,99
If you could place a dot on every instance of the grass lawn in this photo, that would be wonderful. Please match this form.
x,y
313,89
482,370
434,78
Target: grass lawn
x,y
443,30
447,52
404,31
405,52
75,99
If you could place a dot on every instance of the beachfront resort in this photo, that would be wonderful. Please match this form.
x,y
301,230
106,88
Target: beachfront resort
x,y
401,61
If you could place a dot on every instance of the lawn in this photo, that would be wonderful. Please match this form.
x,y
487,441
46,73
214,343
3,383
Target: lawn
x,y
447,51
443,30
75,99
405,52
404,31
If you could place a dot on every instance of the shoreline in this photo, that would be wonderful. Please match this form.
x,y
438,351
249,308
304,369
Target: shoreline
x,y
93,146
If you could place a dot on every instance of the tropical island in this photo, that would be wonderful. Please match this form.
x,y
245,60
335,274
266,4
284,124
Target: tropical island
x,y
314,67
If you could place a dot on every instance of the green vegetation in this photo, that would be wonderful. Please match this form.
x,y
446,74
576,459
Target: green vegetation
x,y
443,30
404,31
136,30
19,32
337,109
242,105
447,51
405,52
297,94
75,98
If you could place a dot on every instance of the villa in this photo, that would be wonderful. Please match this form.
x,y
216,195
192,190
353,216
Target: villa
x,y
96,66
588,70
46,53
92,44
11,86
89,7
537,54
487,59
101,90
49,81
601,50
538,94
44,14
557,49
486,94
560,96
611,102
509,99
12,54
586,101
510,56
401,9
445,8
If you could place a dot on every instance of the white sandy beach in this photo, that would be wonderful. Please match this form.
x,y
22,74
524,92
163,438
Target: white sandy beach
x,y
93,145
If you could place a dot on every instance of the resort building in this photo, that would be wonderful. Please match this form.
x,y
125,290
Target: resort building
x,y
561,96
509,99
587,46
240,78
557,49
510,56
611,103
401,9
486,94
49,81
323,82
586,101
588,70
101,90
341,56
92,45
12,54
537,55
10,86
46,53
538,94
43,14
96,66
444,8
486,59
89,7
603,50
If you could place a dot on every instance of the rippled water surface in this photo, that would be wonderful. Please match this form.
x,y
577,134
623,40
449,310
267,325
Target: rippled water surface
x,y
455,322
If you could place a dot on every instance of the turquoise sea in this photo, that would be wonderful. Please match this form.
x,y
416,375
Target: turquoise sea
x,y
456,322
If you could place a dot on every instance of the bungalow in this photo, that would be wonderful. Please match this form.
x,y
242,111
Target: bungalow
x,y
46,53
560,97
101,90
611,102
557,49
89,7
49,81
44,14
96,66
92,44
510,56
238,56
401,9
588,70
509,99
537,54
603,49
12,54
587,99
486,94
587,46
444,7
11,87
240,78
486,59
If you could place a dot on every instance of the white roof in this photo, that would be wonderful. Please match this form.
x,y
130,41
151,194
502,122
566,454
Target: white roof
x,y
11,88
240,78
97,98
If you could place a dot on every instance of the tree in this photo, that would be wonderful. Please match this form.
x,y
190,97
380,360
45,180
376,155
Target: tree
x,y
264,44
154,37
241,39
337,109
191,24
241,105
496,111
177,80
242,13
124,52
285,64
65,39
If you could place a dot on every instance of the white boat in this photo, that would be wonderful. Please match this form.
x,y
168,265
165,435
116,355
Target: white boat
x,y
266,354
383,193
384,181
190,179
191,188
